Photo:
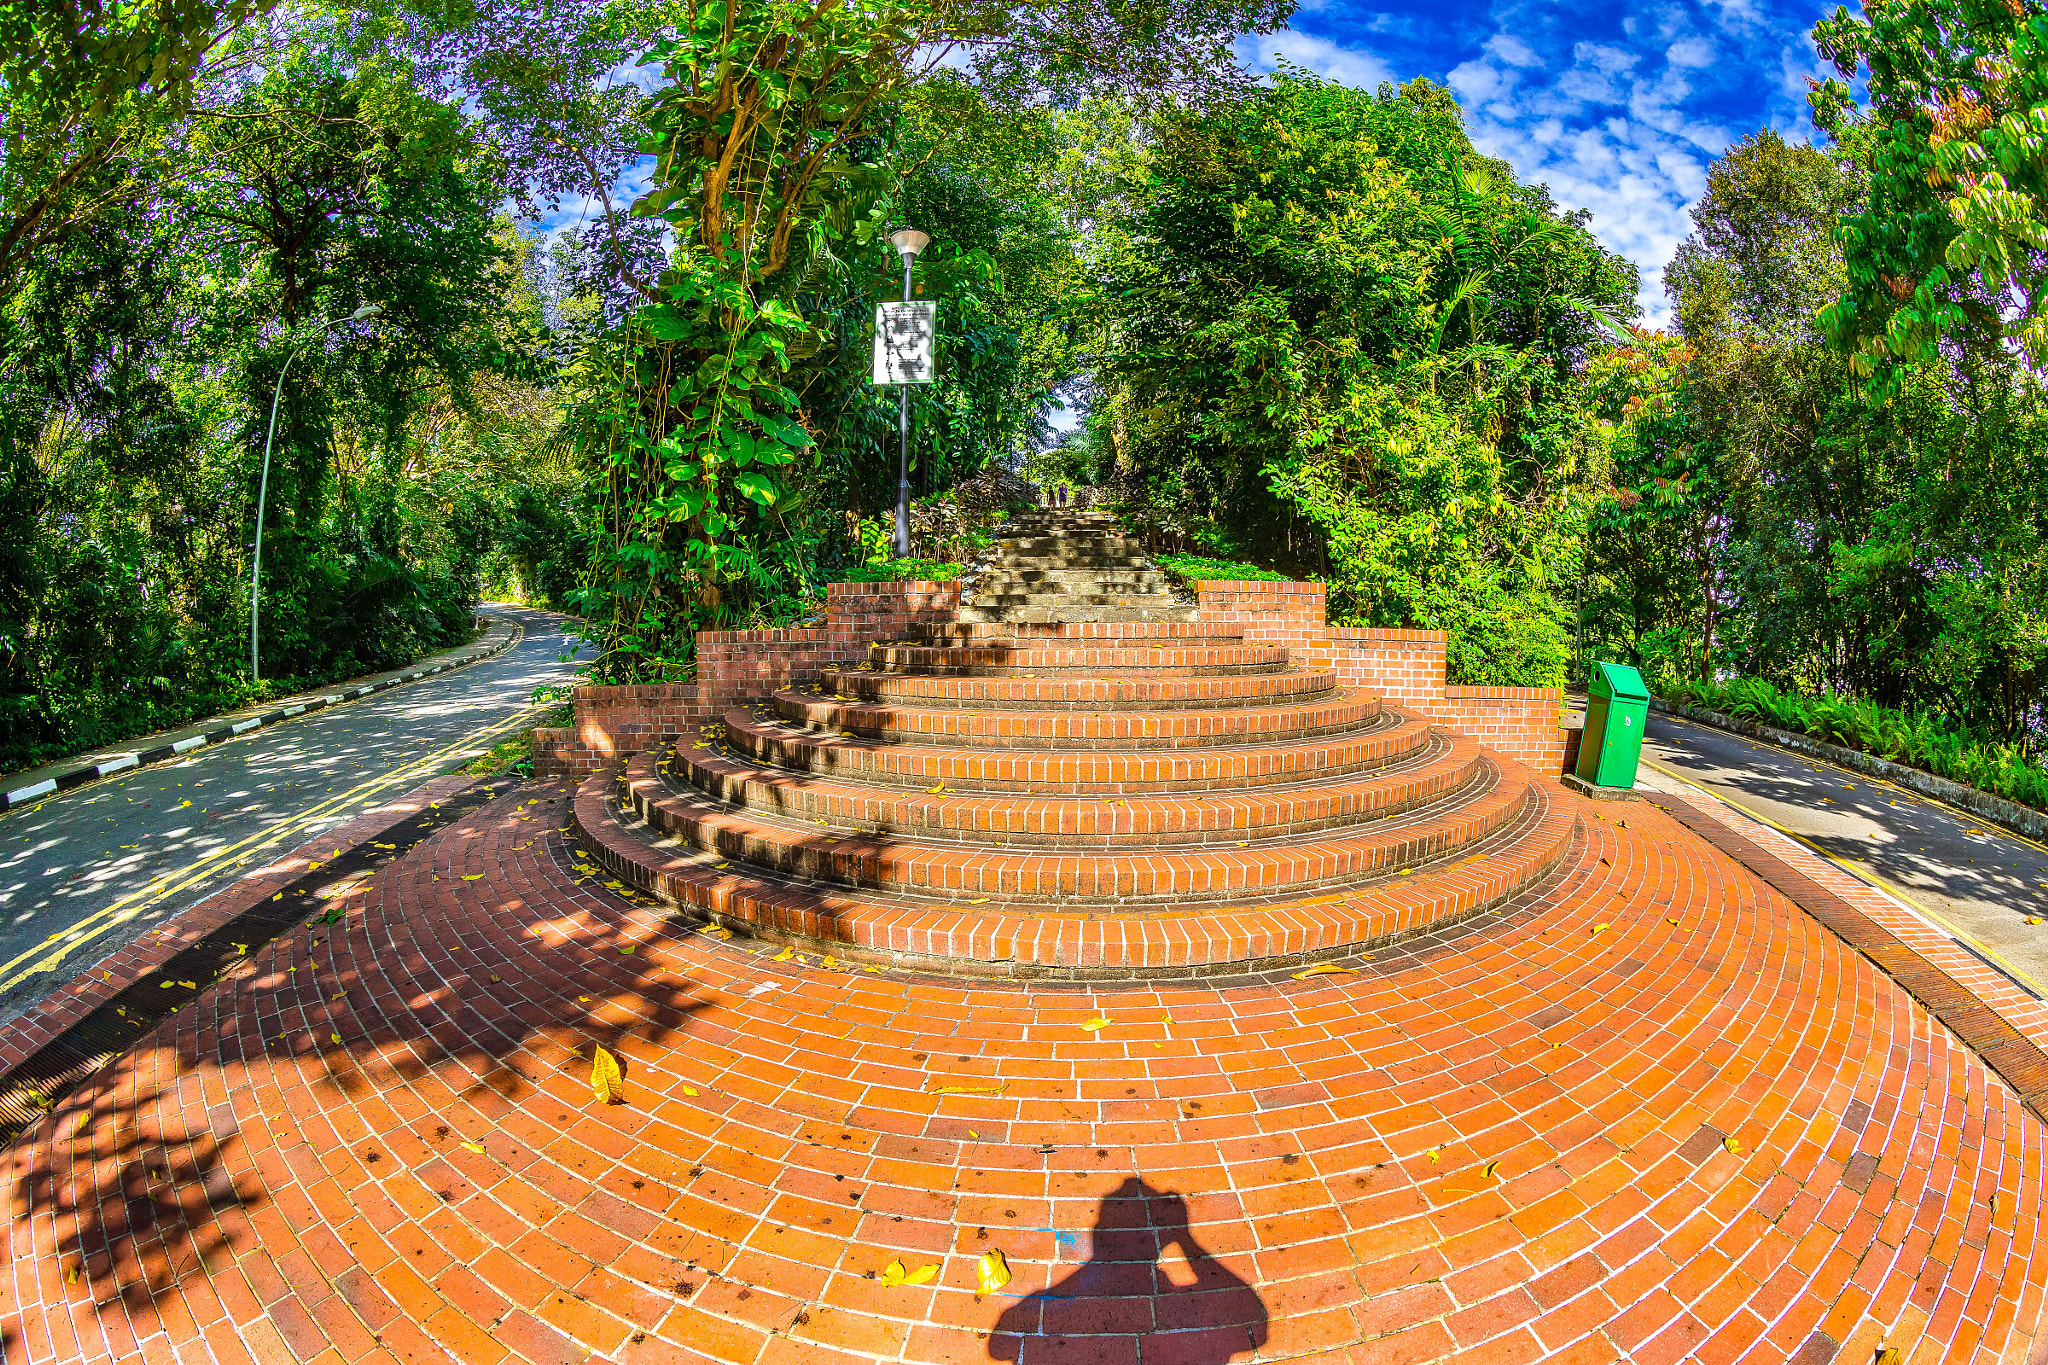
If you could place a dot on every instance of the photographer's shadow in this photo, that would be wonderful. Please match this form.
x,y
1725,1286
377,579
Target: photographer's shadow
x,y
1146,1279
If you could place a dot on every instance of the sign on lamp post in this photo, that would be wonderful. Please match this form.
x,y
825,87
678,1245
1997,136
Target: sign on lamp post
x,y
903,356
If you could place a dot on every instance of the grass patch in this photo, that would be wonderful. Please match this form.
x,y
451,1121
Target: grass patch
x,y
515,755
1915,739
1185,569
896,570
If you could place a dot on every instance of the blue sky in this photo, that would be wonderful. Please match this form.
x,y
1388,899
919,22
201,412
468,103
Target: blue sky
x,y
1619,108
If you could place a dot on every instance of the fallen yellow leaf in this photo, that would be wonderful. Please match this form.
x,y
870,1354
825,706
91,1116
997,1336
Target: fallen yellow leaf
x,y
691,1091
979,900
993,1271
995,1089
476,1147
1322,969
1492,1171
1097,1024
607,1081
1731,1144
477,877
336,1037
785,955
72,1278
1598,930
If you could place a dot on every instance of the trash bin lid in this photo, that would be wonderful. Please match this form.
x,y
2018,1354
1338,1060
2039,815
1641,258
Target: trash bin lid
x,y
1617,680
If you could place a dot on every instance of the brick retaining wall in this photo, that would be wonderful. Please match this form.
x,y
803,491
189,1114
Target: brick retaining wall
x,y
735,667
1406,667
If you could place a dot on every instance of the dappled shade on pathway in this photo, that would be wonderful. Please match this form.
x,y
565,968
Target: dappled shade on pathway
x,y
1706,1127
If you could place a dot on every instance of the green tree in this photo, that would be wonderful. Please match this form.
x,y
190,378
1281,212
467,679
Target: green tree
x,y
1343,341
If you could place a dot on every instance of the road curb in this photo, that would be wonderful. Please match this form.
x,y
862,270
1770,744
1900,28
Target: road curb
x,y
205,734
1997,810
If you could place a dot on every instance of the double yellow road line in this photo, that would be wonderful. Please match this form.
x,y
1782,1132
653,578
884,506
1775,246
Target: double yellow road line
x,y
46,956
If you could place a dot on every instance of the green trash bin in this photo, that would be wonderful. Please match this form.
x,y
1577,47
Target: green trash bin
x,y
1617,705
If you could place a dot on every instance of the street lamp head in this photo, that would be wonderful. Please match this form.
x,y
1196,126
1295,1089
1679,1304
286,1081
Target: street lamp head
x,y
909,241
367,311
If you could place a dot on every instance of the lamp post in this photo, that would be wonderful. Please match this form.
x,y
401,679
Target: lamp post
x,y
908,242
367,311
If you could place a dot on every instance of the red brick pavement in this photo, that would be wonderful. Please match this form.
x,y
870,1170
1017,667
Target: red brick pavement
x,y
1651,1113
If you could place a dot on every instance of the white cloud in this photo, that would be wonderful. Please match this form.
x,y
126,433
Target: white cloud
x,y
1345,65
1513,50
1620,114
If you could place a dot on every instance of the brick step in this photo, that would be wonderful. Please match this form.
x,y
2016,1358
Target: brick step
x,y
1336,713
1126,693
1009,939
1066,821
1034,614
1098,876
1075,771
1161,660
1130,633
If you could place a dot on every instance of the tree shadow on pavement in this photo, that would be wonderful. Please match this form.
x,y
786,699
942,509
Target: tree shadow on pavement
x,y
1148,1286
152,1173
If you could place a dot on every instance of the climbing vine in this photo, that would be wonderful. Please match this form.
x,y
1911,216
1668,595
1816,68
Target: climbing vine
x,y
705,460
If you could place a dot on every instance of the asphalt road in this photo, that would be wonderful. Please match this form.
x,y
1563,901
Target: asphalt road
x,y
85,872
1973,879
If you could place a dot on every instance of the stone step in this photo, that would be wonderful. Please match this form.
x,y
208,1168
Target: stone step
x,y
1061,657
1033,614
1105,876
1011,579
1075,561
1002,938
1131,692
1154,816
1063,542
1049,772
1009,601
1335,713
1140,632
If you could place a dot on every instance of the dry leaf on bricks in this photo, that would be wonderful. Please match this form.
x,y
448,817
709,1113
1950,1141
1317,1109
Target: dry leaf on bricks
x,y
894,1273
607,1081
1097,1024
992,1271
1322,969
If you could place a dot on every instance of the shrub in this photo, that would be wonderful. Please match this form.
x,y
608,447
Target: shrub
x,y
1916,739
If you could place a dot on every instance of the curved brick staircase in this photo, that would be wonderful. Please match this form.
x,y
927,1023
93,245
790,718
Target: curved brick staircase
x,y
1025,793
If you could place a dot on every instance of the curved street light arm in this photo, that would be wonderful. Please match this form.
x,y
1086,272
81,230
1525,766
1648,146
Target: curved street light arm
x,y
367,311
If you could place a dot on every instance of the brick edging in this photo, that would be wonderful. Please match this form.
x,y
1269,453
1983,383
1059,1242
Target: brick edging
x,y
22,1036
1977,1021
496,640
2010,815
